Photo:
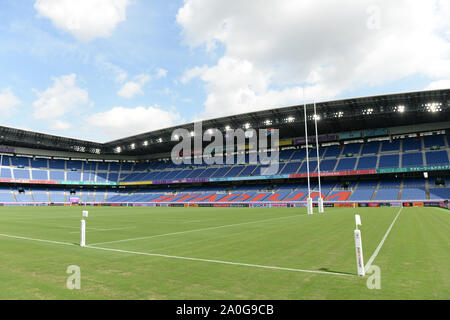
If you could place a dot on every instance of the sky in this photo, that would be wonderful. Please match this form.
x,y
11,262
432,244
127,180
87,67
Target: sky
x,y
100,70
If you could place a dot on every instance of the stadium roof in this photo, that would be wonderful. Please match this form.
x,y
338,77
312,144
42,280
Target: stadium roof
x,y
335,116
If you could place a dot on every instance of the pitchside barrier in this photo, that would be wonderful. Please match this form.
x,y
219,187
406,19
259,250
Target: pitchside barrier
x,y
272,204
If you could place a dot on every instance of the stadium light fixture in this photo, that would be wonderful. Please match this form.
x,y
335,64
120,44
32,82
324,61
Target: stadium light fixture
x,y
400,108
268,122
368,111
227,128
316,117
118,149
247,125
339,114
433,107
159,140
290,119
133,146
145,143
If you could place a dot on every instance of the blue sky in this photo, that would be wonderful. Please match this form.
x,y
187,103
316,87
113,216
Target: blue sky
x,y
105,69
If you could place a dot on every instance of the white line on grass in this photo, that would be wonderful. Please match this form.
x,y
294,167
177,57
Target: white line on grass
x,y
195,230
101,230
180,257
377,250
39,240
220,261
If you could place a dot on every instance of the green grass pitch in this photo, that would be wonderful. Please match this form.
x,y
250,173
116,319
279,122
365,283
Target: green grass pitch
x,y
222,253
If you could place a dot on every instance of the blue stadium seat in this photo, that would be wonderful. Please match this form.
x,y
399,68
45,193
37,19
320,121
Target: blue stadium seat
x,y
39,174
39,163
21,174
362,194
57,164
22,162
312,167
412,159
387,146
332,152
389,161
74,164
57,175
437,157
328,165
414,194
291,167
370,148
371,183
367,163
387,194
389,183
413,182
439,193
346,164
412,144
73,176
351,148
5,173
434,140
5,161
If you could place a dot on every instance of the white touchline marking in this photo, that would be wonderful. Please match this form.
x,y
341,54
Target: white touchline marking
x,y
374,255
180,257
34,239
220,261
101,230
195,230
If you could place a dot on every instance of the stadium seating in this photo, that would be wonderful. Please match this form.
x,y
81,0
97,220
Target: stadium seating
x,y
400,153
367,163
413,194
437,157
439,193
412,159
389,161
387,194
362,194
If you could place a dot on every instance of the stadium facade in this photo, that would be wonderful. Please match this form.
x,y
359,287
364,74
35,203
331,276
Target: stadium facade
x,y
380,150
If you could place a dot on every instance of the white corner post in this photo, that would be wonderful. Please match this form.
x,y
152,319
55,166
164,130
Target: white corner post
x,y
320,201
309,203
83,233
359,249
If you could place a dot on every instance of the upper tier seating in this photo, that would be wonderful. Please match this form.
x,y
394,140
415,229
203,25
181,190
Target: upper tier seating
x,y
400,153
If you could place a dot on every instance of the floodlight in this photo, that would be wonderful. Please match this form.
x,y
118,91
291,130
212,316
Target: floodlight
x,y
290,119
401,108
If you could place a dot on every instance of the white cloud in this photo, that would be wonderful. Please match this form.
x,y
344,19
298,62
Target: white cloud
x,y
60,125
132,88
161,73
120,75
193,73
271,51
8,101
440,84
120,122
63,97
85,19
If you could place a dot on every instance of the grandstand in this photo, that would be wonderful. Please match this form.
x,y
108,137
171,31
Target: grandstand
x,y
138,245
380,157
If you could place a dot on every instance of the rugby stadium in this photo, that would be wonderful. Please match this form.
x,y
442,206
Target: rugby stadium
x,y
159,230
